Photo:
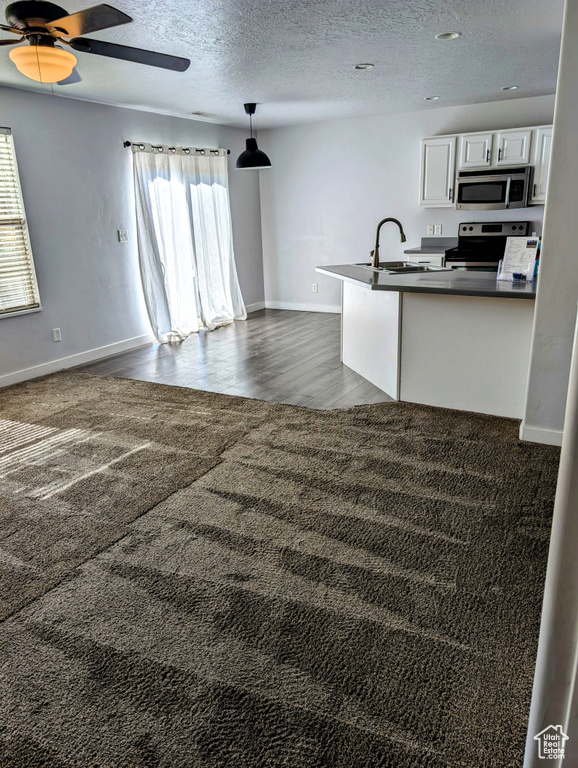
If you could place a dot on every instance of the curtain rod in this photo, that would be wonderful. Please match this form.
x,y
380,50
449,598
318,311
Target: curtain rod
x,y
142,147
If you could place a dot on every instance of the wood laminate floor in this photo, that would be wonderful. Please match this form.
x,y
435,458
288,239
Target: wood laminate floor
x,y
277,355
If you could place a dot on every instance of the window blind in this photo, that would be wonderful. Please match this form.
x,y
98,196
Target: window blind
x,y
18,287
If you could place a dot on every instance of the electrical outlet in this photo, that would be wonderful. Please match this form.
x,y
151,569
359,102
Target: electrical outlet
x,y
438,229
314,287
56,335
430,229
122,235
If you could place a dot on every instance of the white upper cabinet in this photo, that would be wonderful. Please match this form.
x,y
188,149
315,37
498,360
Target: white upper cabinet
x,y
436,188
513,147
475,150
541,162
442,155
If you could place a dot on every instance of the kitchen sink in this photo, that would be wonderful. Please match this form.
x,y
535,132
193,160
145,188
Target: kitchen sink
x,y
401,267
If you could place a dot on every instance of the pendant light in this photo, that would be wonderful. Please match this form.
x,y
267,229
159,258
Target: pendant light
x,y
252,159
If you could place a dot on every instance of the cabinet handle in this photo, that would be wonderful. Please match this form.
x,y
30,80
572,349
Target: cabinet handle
x,y
450,193
499,154
535,193
487,156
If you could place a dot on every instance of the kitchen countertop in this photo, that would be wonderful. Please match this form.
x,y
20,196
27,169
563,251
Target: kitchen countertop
x,y
452,282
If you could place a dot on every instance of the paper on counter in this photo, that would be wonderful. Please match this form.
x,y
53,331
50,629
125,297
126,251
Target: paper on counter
x,y
519,258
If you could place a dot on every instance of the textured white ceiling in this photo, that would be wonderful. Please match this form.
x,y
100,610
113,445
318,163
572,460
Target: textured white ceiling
x,y
295,58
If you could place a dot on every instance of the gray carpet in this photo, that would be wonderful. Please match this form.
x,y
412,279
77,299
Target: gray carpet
x,y
192,580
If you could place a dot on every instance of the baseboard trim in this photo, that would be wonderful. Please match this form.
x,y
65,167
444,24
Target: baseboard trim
x,y
537,435
255,307
72,360
334,308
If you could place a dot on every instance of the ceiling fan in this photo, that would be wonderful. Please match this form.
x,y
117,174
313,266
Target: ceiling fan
x,y
43,24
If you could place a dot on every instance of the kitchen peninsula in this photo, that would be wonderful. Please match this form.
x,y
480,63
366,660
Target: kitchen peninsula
x,y
450,338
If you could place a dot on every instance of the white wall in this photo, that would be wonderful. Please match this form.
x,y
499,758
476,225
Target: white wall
x,y
553,380
332,182
558,284
77,185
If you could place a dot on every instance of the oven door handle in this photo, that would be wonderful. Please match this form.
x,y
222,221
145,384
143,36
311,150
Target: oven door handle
x,y
508,183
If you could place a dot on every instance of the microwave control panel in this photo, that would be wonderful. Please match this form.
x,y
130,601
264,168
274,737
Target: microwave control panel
x,y
517,191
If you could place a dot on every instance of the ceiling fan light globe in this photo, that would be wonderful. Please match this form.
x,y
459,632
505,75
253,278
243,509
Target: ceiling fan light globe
x,y
252,159
43,63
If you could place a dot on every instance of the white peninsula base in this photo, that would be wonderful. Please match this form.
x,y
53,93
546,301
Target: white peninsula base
x,y
466,352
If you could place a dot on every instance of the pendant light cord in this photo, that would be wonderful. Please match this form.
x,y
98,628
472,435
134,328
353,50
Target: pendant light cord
x,y
251,124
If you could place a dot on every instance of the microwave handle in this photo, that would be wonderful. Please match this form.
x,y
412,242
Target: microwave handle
x,y
508,182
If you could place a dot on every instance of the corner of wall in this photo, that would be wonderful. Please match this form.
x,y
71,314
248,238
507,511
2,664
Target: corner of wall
x,y
539,435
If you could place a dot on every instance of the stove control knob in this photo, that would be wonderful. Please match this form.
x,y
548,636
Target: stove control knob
x,y
471,229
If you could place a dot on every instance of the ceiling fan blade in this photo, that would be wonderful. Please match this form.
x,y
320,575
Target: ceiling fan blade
x,y
5,28
71,79
90,20
124,52
9,42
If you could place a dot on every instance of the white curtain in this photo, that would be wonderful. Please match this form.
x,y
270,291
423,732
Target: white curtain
x,y
185,242
165,245
208,189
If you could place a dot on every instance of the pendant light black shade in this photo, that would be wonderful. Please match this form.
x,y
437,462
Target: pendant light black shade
x,y
252,159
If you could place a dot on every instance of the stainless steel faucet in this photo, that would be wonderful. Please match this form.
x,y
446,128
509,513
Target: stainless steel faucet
x,y
375,253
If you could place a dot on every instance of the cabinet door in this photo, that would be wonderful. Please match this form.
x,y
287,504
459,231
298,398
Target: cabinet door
x,y
475,150
514,147
541,160
436,189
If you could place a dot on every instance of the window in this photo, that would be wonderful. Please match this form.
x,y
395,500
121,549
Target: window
x,y
18,287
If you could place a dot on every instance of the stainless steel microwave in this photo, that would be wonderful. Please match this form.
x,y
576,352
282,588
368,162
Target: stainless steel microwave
x,y
493,189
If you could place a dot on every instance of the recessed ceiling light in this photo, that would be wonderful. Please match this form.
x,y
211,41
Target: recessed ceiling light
x,y
364,66
510,87
431,98
448,35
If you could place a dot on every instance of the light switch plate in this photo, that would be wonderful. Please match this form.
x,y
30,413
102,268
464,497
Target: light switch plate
x,y
122,235
430,229
437,229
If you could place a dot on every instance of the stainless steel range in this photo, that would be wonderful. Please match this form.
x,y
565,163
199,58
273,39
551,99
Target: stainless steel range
x,y
481,245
